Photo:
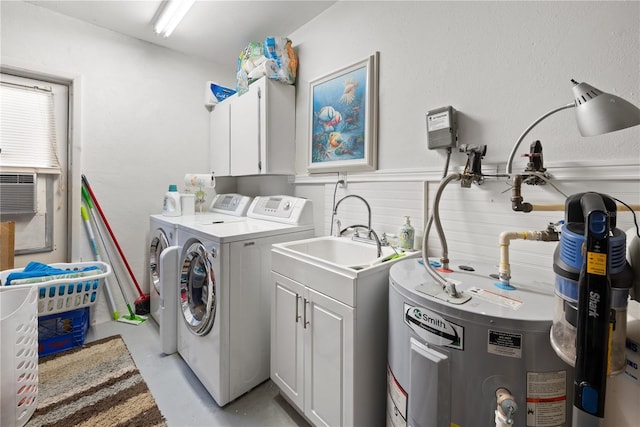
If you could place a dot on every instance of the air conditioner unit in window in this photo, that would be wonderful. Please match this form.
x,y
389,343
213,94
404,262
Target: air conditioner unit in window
x,y
17,193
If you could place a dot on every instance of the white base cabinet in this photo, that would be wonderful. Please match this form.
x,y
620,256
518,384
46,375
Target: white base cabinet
x,y
329,358
254,133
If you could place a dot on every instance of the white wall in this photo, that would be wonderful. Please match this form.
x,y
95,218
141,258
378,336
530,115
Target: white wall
x,y
142,120
500,64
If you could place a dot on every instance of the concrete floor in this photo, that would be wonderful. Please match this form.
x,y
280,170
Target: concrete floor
x,y
181,397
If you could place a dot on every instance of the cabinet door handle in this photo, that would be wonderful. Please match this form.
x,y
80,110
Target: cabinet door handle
x,y
259,135
297,308
306,301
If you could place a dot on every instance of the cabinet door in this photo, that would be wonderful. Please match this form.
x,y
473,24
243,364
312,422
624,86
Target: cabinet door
x,y
328,361
219,139
245,133
287,338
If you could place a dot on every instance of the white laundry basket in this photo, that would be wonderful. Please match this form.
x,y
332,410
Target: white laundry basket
x,y
18,354
77,288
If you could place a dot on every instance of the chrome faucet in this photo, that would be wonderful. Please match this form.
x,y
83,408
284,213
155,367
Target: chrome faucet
x,y
369,239
335,208
368,227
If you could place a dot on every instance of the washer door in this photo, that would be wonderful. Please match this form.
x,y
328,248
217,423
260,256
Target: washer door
x,y
198,289
159,243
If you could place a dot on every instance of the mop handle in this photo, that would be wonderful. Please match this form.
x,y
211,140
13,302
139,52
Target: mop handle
x,y
85,195
87,200
94,247
86,185
92,237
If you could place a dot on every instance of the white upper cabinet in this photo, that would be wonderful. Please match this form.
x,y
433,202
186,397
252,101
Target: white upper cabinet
x,y
254,133
219,142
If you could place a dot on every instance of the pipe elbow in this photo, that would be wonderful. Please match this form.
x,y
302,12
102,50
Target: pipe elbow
x,y
507,236
517,205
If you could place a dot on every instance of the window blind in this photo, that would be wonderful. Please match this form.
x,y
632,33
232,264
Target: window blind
x,y
27,130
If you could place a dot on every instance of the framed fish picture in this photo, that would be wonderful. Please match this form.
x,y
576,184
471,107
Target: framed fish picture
x,y
343,120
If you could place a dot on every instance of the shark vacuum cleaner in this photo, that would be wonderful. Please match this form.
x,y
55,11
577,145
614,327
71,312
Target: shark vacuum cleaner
x,y
593,280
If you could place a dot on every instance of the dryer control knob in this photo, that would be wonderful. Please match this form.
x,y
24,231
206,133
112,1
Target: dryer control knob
x,y
213,252
287,206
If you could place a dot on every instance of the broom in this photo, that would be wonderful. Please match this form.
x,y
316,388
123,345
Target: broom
x,y
142,303
132,318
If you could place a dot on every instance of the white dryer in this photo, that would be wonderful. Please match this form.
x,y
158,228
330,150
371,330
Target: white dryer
x,y
163,232
223,293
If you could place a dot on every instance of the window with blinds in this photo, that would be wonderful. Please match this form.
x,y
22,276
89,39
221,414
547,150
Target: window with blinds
x,y
27,130
33,118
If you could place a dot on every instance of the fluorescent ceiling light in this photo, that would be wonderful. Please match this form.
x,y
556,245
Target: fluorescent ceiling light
x,y
172,13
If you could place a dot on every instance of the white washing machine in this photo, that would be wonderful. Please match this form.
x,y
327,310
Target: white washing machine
x,y
223,298
163,232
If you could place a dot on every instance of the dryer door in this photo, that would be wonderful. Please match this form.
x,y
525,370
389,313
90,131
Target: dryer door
x,y
159,243
198,289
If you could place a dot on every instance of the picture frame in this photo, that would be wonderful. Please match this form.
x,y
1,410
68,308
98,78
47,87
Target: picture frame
x,y
343,119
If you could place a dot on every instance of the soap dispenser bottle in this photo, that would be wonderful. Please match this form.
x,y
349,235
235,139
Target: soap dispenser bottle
x,y
405,240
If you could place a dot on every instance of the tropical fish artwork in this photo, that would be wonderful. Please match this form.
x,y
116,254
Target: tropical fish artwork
x,y
335,139
338,118
329,118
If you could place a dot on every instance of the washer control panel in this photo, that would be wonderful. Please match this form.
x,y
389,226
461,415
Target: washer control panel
x,y
286,209
231,204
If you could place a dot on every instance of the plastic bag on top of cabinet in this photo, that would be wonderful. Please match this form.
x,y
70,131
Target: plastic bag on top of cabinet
x,y
249,59
275,59
281,51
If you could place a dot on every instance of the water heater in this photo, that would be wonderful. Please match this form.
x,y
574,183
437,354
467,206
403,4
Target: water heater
x,y
452,362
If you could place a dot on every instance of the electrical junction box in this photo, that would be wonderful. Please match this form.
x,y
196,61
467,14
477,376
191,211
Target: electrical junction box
x,y
442,128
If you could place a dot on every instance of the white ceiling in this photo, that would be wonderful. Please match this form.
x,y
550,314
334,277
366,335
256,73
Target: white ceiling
x,y
212,29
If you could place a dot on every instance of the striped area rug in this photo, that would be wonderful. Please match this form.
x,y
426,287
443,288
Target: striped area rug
x,y
95,385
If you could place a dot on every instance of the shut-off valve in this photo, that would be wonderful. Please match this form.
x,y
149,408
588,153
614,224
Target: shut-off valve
x,y
506,408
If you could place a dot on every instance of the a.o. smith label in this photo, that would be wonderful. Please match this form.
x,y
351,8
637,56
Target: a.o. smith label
x,y
433,328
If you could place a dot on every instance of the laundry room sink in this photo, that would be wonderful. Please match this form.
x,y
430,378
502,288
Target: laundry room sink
x,y
334,265
332,295
339,251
